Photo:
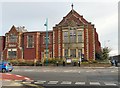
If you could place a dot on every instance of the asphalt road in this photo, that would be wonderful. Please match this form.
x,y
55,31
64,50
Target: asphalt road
x,y
70,75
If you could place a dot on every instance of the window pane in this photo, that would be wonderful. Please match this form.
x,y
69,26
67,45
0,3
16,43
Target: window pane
x,y
79,36
72,36
65,34
73,52
66,52
30,41
12,38
11,54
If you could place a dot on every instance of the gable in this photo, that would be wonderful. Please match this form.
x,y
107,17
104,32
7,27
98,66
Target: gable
x,y
73,19
13,30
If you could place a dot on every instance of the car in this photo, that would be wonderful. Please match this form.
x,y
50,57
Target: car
x,y
5,66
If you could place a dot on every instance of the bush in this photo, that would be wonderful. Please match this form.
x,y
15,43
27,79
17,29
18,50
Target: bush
x,y
94,61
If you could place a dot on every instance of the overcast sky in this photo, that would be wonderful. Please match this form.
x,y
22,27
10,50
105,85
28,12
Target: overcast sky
x,y
32,15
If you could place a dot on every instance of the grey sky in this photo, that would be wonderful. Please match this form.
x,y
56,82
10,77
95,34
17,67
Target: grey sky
x,y
104,15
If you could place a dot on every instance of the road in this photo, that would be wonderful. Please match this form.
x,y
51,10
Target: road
x,y
69,75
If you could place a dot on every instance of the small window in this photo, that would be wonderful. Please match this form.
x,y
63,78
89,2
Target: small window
x,y
30,41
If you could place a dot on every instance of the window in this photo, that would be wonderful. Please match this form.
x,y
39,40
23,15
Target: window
x,y
79,53
11,54
66,52
73,53
12,38
65,34
80,36
30,41
72,36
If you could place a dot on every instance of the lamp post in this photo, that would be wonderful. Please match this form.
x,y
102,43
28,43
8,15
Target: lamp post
x,y
46,25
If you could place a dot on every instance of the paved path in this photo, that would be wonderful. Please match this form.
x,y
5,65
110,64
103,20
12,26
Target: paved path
x,y
9,77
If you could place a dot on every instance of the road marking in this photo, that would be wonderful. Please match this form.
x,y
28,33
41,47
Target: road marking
x,y
52,82
28,70
26,82
87,71
80,83
110,84
94,83
27,78
66,82
40,82
18,76
8,74
112,71
66,71
7,80
79,72
18,80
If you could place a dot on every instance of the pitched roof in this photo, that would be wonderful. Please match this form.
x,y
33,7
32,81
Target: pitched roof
x,y
73,16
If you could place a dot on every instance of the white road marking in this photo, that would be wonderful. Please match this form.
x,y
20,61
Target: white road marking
x,y
26,82
7,80
112,71
94,83
110,84
80,83
79,72
18,80
18,76
66,71
8,74
52,82
66,82
40,82
27,78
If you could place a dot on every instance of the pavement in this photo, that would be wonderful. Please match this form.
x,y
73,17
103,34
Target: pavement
x,y
10,80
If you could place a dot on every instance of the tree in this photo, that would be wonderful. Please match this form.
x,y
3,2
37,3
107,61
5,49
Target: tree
x,y
103,54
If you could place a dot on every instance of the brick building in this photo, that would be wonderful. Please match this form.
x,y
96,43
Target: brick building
x,y
2,45
73,37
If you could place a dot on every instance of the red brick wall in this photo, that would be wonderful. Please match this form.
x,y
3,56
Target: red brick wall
x,y
55,42
43,45
29,53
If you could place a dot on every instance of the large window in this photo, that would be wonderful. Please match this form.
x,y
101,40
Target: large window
x,y
73,53
72,36
12,54
65,34
30,41
80,36
66,52
12,38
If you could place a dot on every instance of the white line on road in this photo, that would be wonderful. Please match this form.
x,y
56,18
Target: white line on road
x,y
52,82
40,82
87,71
112,71
66,82
27,78
110,84
18,76
80,83
8,74
94,83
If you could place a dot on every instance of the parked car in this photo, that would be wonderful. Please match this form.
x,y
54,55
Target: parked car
x,y
5,66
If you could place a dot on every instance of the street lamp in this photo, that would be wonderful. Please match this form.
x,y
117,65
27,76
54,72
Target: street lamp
x,y
46,25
